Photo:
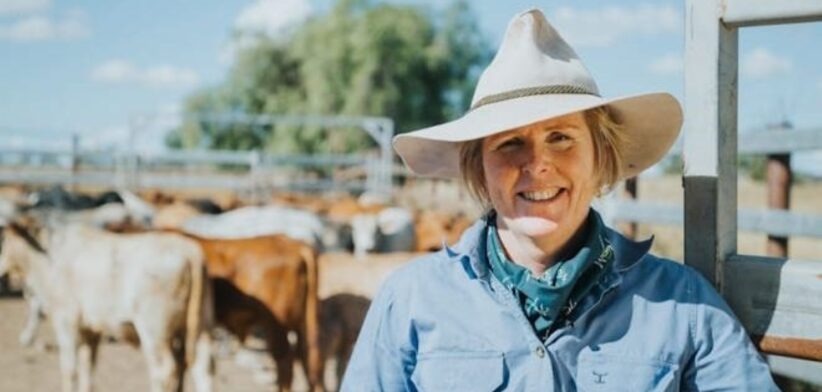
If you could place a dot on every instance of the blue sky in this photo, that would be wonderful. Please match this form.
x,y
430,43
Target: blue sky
x,y
90,66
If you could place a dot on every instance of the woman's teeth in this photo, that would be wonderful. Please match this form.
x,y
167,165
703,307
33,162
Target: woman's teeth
x,y
541,195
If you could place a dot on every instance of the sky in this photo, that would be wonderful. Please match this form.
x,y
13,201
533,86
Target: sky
x,y
90,67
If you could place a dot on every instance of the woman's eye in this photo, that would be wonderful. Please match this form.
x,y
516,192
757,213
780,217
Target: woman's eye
x,y
509,144
557,137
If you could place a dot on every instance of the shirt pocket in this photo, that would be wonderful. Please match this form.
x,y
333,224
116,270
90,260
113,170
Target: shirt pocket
x,y
611,373
459,371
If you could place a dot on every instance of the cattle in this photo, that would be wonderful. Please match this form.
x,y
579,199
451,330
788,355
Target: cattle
x,y
149,288
205,206
57,197
247,222
341,318
269,282
396,230
388,230
433,228
141,212
173,216
110,216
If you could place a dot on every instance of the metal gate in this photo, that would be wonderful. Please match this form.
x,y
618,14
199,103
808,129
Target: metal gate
x,y
779,301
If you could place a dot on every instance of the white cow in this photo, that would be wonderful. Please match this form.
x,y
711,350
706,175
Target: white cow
x,y
389,230
95,284
249,222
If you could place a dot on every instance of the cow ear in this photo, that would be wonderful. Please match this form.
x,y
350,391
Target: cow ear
x,y
15,227
24,231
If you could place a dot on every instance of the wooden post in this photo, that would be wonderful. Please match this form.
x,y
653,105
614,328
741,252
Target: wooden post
x,y
630,229
710,130
779,179
75,160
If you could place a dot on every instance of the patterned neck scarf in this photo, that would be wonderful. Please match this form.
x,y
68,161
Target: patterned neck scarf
x,y
553,295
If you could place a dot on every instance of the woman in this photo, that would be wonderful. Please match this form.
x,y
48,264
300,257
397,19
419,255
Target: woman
x,y
539,294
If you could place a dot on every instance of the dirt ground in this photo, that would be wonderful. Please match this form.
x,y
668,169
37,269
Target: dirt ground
x,y
121,367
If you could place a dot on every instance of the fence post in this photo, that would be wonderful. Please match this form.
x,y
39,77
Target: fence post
x,y
779,180
255,160
630,229
710,131
75,160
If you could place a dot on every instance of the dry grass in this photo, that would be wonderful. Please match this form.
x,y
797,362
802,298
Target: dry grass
x,y
805,197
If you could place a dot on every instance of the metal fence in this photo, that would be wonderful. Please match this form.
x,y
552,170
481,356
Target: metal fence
x,y
245,172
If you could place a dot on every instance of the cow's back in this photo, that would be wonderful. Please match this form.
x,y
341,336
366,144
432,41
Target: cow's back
x,y
112,279
271,269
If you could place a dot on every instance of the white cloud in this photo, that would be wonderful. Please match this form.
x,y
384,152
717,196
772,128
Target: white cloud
x,y
144,132
271,16
41,28
605,26
762,64
20,7
669,64
124,72
237,44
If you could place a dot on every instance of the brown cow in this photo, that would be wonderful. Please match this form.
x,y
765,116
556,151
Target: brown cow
x,y
341,318
269,281
432,228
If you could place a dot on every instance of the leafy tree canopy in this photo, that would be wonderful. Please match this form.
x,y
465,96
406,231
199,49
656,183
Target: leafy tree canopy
x,y
360,58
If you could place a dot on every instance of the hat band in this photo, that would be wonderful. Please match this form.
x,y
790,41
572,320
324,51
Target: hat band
x,y
529,91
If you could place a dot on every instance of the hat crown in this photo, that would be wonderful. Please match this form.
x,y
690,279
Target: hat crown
x,y
533,55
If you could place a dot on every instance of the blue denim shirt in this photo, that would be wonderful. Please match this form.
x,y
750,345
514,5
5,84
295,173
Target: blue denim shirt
x,y
445,323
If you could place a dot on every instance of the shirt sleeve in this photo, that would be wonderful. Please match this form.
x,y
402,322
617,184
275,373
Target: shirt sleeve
x,y
724,358
382,359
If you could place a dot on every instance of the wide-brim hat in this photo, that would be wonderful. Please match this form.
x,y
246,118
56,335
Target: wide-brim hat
x,y
537,76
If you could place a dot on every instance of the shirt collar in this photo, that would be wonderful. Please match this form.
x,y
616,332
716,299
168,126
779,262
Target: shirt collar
x,y
626,252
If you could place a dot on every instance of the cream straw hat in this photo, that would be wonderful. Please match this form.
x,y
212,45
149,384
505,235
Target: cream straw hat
x,y
536,76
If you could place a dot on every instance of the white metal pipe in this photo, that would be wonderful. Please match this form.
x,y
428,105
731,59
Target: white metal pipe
x,y
739,13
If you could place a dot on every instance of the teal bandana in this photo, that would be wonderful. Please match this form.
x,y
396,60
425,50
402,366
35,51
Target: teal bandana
x,y
554,294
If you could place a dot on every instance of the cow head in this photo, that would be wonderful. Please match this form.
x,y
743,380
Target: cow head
x,y
364,233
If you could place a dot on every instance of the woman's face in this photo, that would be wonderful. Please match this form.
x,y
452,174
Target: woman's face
x,y
540,178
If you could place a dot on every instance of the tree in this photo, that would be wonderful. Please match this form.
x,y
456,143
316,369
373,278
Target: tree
x,y
399,61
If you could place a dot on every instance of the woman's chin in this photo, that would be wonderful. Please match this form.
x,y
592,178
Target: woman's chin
x,y
532,226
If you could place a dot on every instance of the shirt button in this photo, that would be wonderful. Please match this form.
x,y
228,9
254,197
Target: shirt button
x,y
539,352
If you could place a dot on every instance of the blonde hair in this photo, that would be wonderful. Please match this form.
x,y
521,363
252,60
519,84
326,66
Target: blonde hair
x,y
608,142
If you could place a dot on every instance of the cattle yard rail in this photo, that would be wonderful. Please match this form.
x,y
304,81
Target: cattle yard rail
x,y
247,172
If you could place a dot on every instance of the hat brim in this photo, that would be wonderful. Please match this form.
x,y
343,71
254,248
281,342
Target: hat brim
x,y
651,123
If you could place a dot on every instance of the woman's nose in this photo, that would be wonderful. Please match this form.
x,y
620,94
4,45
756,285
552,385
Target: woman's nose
x,y
537,162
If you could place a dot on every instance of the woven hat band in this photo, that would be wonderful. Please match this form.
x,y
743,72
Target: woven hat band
x,y
529,91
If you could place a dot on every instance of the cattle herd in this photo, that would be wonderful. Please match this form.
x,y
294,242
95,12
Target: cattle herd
x,y
165,272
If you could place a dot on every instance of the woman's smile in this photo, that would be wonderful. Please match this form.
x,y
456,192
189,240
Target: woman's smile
x,y
541,196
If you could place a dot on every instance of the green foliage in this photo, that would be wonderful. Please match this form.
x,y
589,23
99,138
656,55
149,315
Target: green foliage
x,y
672,164
360,58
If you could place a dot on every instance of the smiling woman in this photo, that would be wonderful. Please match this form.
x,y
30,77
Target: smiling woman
x,y
539,294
